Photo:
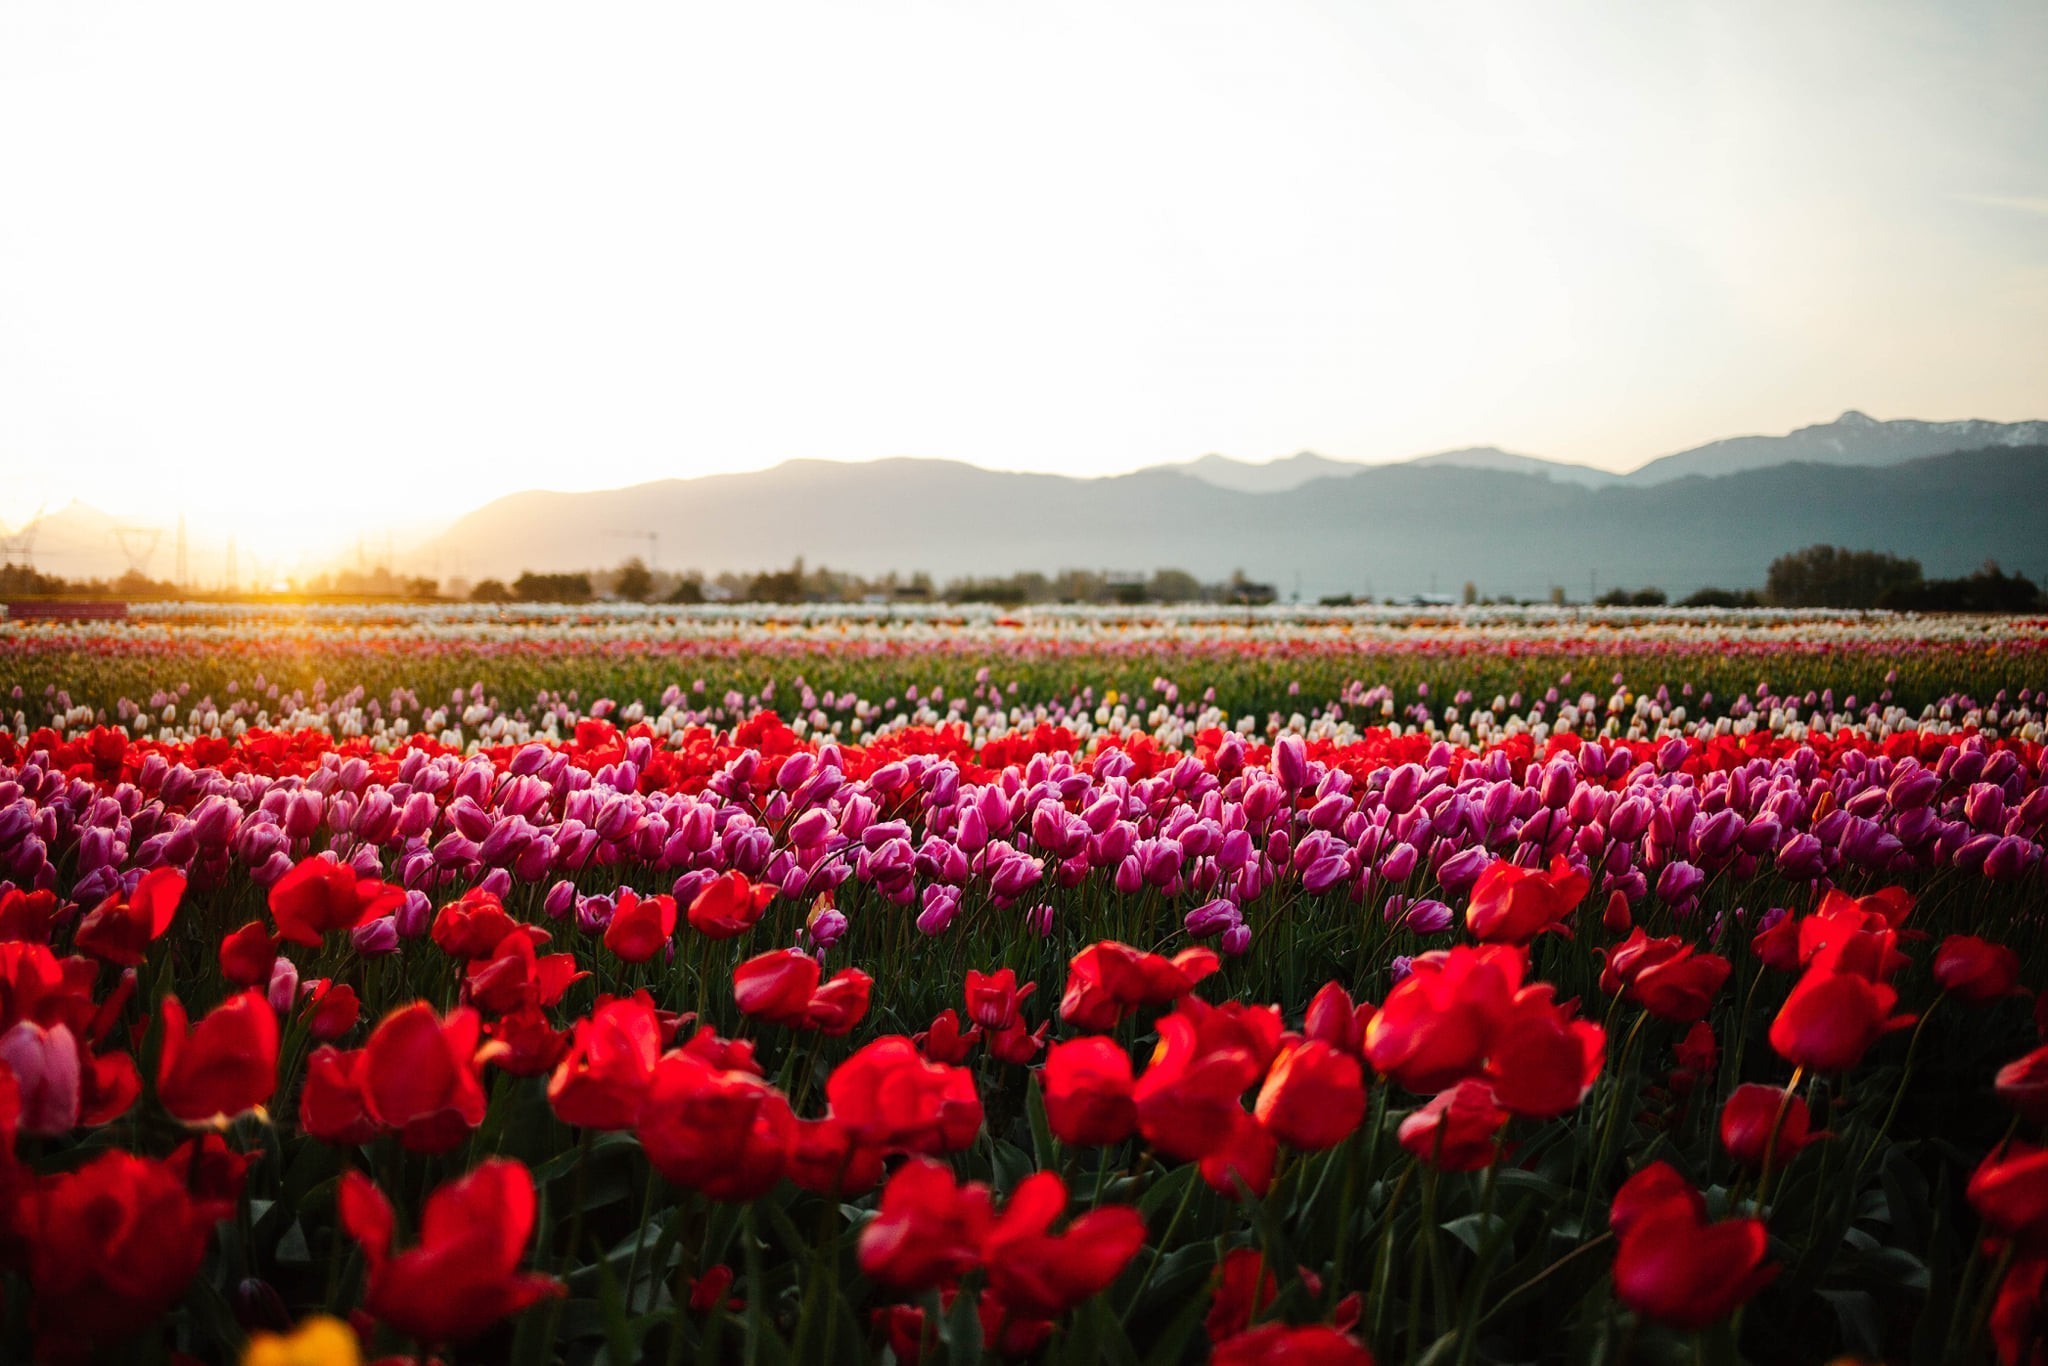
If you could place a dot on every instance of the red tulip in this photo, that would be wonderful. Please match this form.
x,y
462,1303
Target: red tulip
x,y
641,927
1242,1159
727,1134
1671,1265
1666,977
471,927
1975,970
1832,1018
1690,1275
1257,1030
944,1042
2023,1085
1751,1113
1334,1019
248,955
2009,1191
25,915
1512,904
514,977
993,999
1281,1344
526,1045
728,906
836,1007
1843,937
463,1276
1437,1025
1244,1286
1107,981
1313,1097
1018,1045
776,986
2019,1316
1087,1084
113,1246
1457,1131
334,1012
824,1159
1778,947
226,1066
419,1076
603,1080
891,1099
1650,1190
318,897
1542,1061
1615,919
1043,1274
120,928
214,1173
1189,1099
928,1231
332,1107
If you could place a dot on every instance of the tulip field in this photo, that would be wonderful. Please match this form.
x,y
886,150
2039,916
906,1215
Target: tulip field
x,y
932,985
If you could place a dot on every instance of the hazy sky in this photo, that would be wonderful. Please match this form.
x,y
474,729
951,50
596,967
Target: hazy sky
x,y
307,268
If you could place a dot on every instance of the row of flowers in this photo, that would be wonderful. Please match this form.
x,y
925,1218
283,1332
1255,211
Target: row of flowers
x,y
665,1039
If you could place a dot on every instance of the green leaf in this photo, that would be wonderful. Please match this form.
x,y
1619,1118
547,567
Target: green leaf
x,y
1475,1230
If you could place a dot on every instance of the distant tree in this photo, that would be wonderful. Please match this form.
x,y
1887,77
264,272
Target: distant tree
x,y
490,590
531,587
1174,585
689,589
1624,597
421,588
1720,597
784,585
634,582
1990,589
1834,576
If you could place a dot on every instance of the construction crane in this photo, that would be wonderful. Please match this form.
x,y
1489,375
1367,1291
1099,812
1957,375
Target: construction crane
x,y
653,538
138,544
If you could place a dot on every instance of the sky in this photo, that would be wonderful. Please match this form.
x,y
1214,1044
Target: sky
x,y
303,272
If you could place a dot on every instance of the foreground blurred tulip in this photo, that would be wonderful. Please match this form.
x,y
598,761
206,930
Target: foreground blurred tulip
x,y
2009,1191
225,1066
2023,1085
115,1243
463,1275
1280,1344
1666,977
319,1340
46,1072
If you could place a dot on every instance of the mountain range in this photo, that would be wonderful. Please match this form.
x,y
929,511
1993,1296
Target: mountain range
x,y
1950,494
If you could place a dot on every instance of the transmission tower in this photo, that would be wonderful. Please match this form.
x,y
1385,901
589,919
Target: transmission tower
x,y
138,544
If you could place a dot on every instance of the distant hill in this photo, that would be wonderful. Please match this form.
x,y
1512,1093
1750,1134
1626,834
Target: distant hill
x,y
1851,439
1291,472
1394,529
